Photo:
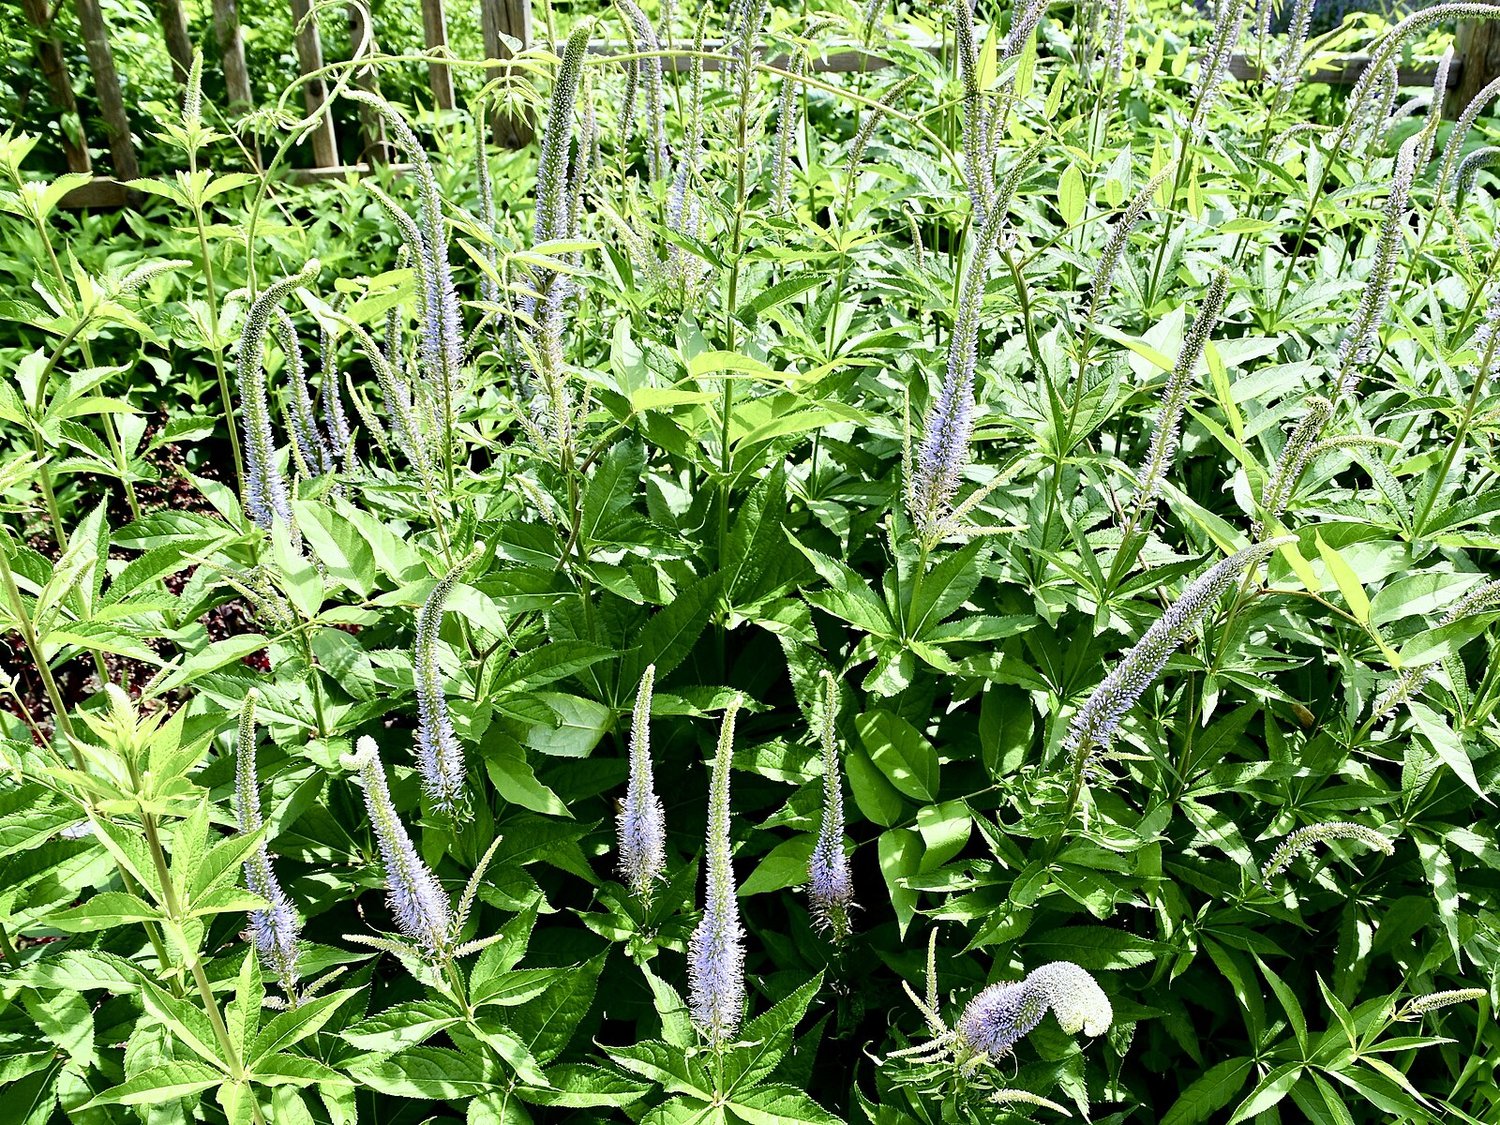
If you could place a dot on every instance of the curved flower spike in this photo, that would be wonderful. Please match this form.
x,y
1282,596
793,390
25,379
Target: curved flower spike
x,y
440,758
1003,1014
274,927
418,901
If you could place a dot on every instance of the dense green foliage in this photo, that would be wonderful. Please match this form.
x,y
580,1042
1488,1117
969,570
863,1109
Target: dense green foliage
x,y
1042,491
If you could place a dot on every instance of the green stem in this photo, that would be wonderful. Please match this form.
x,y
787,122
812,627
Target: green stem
x,y
225,398
38,658
200,978
304,634
1485,363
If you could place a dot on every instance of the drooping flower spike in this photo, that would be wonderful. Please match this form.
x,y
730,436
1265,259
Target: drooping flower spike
x,y
267,499
1293,462
1302,841
932,483
1000,1016
716,951
646,41
421,907
1119,236
273,927
442,321
1410,681
1168,432
331,403
1364,332
440,758
1096,721
312,451
641,825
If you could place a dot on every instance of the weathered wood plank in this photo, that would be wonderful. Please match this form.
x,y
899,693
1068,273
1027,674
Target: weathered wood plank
x,y
1479,47
100,193
1346,70
107,87
500,19
49,57
340,171
314,91
847,60
232,50
435,35
174,27
371,124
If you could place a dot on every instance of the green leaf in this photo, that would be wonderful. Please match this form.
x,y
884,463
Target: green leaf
x,y
159,1084
581,724
212,657
1072,196
848,597
1093,947
511,774
1209,1093
299,577
770,1036
944,830
583,1086
423,1072
755,538
290,1027
1348,582
405,1025
1270,1090
780,1105
515,987
900,852
784,866
666,1066
669,636
774,295
901,753
346,554
1447,743
548,1023
103,911
509,1048
612,489
875,797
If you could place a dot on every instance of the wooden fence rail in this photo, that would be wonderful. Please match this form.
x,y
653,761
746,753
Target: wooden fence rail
x,y
504,23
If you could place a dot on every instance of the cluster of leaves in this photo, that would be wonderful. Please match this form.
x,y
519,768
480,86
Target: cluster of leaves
x,y
1279,868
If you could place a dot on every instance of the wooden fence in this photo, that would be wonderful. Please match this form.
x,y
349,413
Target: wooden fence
x,y
503,23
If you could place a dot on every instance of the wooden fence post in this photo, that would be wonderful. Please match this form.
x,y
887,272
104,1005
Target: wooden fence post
x,y
435,35
371,124
174,26
55,70
314,91
107,86
232,48
506,18
1479,50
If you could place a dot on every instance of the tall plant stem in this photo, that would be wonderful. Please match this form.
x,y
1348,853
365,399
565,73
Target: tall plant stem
x,y
115,449
726,404
1481,378
304,634
195,966
38,657
216,349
